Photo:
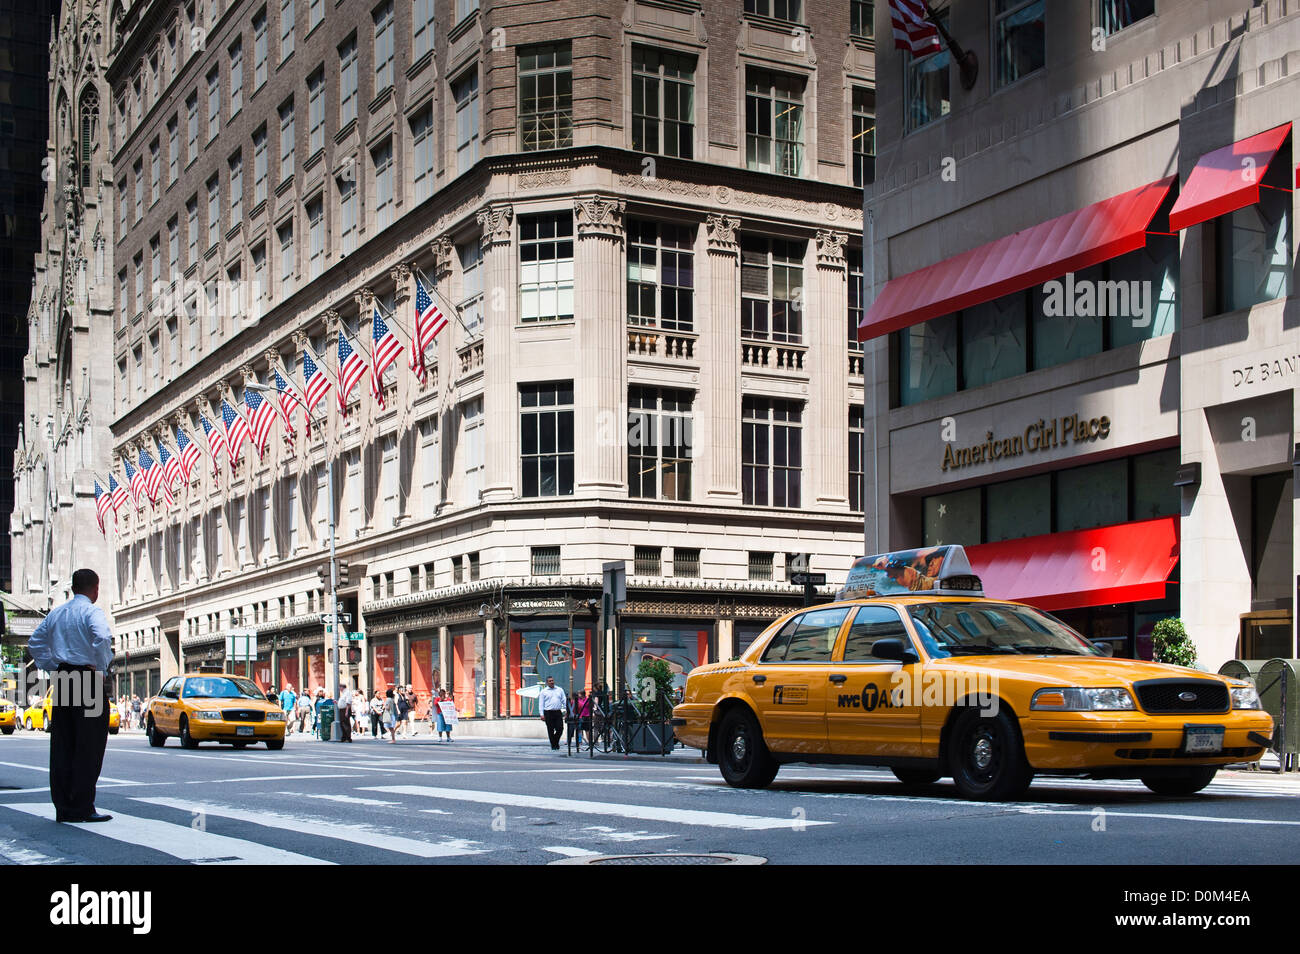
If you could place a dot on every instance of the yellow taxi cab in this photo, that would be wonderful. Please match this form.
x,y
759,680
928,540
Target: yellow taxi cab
x,y
40,716
913,668
9,717
213,707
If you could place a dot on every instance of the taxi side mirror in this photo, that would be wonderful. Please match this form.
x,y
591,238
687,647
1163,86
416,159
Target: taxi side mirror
x,y
1105,648
893,648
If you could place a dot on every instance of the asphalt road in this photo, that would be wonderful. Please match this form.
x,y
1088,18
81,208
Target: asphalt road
x,y
481,801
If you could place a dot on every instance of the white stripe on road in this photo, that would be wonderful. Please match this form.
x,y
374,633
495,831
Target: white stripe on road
x,y
179,841
679,816
346,799
46,770
357,834
1168,816
571,852
15,853
264,778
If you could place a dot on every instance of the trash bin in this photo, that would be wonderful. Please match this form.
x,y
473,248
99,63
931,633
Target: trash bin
x,y
1278,683
325,719
1244,669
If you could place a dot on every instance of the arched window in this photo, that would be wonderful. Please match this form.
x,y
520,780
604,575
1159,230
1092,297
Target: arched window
x,y
89,133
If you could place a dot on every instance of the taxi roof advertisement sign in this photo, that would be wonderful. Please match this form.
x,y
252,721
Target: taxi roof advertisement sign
x,y
937,570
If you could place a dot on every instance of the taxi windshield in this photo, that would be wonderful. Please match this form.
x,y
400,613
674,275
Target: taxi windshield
x,y
220,687
981,629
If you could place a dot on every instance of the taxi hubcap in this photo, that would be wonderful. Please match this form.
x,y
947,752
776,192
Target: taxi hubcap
x,y
739,747
983,753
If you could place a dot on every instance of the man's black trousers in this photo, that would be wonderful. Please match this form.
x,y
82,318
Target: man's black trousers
x,y
78,735
554,726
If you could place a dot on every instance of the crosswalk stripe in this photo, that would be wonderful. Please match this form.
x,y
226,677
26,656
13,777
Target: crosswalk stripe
x,y
19,854
357,834
179,841
571,852
679,816
1170,816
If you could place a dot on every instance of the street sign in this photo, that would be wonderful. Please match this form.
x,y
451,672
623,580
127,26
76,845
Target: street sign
x,y
808,579
356,636
327,618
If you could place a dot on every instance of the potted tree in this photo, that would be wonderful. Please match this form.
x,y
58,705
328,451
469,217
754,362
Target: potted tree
x,y
654,694
1171,644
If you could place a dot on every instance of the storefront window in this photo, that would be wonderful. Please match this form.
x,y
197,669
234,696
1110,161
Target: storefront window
x,y
1148,282
1154,493
289,673
682,649
1061,333
927,360
536,654
994,341
316,670
952,518
1092,496
1254,250
469,674
425,675
1020,508
746,633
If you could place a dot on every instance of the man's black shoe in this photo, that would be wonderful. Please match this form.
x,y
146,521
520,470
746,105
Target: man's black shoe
x,y
83,819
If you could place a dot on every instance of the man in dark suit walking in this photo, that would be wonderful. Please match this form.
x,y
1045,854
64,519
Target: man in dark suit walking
x,y
73,643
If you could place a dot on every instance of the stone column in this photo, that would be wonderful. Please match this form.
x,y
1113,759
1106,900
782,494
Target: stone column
x,y
490,666
403,662
404,328
170,658
501,295
726,640
826,420
444,655
718,420
600,387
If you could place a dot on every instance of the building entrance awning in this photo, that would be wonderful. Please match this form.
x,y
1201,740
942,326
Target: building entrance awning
x,y
1067,243
1227,179
1123,563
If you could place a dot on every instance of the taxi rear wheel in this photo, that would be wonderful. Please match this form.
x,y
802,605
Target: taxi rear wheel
x,y
187,740
917,776
275,744
8,730
30,727
1186,784
987,757
742,755
156,738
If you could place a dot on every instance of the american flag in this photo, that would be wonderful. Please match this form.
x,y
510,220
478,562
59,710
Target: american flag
x,y
261,415
316,381
386,349
351,367
429,320
103,503
912,31
236,432
189,454
216,439
135,480
152,475
117,492
289,401
171,467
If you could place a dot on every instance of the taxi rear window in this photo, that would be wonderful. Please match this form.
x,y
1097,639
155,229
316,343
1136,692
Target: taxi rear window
x,y
809,637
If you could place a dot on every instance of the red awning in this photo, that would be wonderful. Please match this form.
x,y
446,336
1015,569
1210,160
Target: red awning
x,y
1076,240
1124,563
1227,179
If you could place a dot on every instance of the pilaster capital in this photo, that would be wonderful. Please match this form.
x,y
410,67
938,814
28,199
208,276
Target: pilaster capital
x,y
721,231
599,215
332,321
364,298
830,248
300,339
442,249
496,223
401,275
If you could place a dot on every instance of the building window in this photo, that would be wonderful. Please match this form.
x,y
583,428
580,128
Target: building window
x,y
429,465
214,103
471,428
1253,246
259,49
315,237
862,18
315,14
383,18
660,275
388,482
546,439
236,51
123,207
686,562
137,172
787,10
856,291
659,443
465,92
771,452
857,472
422,138
760,566
544,561
316,111
926,84
173,246
771,289
422,29
259,276
286,140
173,149
648,561
774,123
123,299
1020,42
464,8
192,229
864,136
285,234
214,211
663,102
236,165
1115,15
546,267
192,127
545,97
471,269
259,165
347,187
348,80
155,172
286,29
457,569
381,158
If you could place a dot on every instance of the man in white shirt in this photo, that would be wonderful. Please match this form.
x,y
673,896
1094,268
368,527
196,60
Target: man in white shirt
x,y
553,701
345,714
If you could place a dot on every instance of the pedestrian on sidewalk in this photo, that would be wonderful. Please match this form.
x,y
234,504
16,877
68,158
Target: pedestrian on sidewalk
x,y
304,711
288,699
135,711
360,711
345,714
390,715
440,720
412,705
376,714
75,642
552,702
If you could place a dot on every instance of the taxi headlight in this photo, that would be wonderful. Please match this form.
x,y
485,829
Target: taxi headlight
x,y
208,715
1245,697
275,716
1083,700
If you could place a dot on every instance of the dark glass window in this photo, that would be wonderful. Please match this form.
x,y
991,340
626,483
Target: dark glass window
x,y
1254,249
771,289
546,439
1092,496
660,275
545,97
864,136
1020,42
870,624
771,452
546,267
663,102
659,443
1115,15
856,469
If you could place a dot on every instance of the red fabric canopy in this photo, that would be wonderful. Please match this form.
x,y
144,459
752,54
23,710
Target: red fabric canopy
x,y
1076,240
1227,179
1124,563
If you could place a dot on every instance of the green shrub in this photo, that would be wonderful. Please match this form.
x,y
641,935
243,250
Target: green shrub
x,y
1171,644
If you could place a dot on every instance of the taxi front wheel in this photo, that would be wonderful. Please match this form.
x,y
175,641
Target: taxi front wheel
x,y
987,757
1188,783
742,755
156,739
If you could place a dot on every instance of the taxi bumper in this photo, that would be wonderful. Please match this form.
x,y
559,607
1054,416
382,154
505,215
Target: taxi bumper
x,y
222,731
1130,740
691,724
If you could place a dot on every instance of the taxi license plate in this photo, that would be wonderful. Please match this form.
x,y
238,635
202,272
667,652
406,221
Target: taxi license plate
x,y
1202,739
243,730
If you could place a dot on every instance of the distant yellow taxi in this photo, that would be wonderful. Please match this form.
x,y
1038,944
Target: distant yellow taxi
x,y
914,669
213,707
39,716
9,717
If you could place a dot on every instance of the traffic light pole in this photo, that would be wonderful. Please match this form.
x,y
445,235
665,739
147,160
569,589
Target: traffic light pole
x,y
336,732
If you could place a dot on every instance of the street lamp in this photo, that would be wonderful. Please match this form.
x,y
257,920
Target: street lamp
x,y
336,731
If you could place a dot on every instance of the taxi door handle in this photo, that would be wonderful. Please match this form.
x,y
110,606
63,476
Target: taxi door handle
x,y
837,678
760,679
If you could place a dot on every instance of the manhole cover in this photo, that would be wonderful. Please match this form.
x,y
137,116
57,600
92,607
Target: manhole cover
x,y
713,858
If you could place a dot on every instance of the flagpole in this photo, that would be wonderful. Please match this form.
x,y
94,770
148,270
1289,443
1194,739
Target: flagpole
x,y
432,289
967,62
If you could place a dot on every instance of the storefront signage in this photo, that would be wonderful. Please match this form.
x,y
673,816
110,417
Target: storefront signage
x,y
531,605
1265,371
1042,435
